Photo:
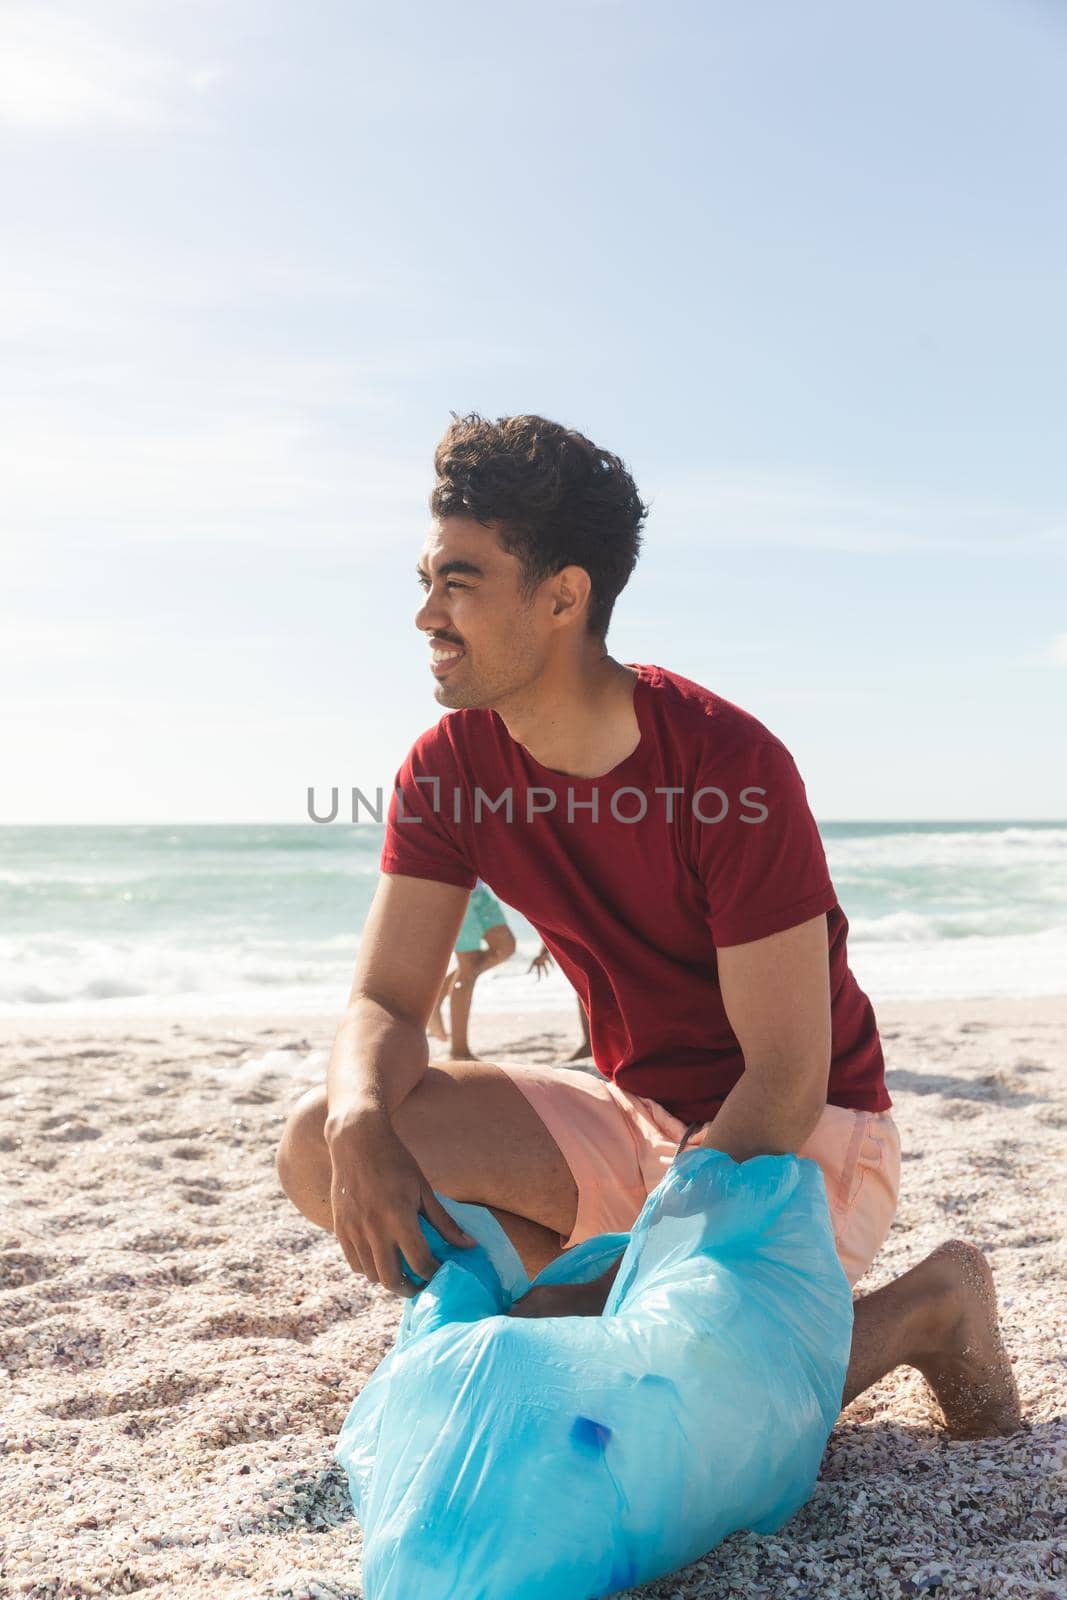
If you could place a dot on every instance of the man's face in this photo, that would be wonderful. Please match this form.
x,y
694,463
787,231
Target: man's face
x,y
486,640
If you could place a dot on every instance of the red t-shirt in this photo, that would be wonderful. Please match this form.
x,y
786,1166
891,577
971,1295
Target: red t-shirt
x,y
721,848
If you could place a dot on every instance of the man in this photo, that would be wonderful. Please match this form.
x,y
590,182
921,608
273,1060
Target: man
x,y
659,839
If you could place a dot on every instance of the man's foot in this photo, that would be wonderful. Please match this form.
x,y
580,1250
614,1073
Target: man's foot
x,y
967,1365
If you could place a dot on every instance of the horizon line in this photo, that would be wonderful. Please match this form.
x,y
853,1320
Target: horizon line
x,y
305,822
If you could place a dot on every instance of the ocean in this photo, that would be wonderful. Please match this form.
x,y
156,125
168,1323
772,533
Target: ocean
x,y
234,918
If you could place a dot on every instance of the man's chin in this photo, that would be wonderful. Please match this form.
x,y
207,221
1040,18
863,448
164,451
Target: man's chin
x,y
448,696
456,697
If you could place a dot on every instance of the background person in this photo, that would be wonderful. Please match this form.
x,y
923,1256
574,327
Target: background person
x,y
540,964
483,922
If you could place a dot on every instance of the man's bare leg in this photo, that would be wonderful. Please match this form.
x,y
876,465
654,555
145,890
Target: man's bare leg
x,y
941,1318
535,1246
478,1139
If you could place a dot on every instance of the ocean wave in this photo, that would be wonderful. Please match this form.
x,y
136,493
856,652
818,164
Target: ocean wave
x,y
896,958
258,919
79,974
963,969
985,849
988,922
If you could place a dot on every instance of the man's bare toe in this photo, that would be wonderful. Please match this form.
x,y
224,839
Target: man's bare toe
x,y
967,1366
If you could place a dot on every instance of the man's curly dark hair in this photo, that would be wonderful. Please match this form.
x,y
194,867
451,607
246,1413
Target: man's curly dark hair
x,y
558,498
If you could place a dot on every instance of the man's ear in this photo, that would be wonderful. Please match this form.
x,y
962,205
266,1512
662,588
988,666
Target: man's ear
x,y
571,590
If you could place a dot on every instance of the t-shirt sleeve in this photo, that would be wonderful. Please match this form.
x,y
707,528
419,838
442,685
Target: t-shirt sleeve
x,y
420,840
763,865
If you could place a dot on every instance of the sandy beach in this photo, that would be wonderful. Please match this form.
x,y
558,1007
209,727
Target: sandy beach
x,y
180,1347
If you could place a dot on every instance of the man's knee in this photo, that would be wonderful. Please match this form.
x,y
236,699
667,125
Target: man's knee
x,y
302,1137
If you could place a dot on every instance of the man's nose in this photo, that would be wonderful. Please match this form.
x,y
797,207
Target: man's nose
x,y
432,614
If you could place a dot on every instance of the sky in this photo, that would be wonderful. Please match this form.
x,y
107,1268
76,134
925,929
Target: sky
x,y
802,267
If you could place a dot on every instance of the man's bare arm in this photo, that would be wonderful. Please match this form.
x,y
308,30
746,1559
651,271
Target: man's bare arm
x,y
381,1051
378,1191
777,996
776,992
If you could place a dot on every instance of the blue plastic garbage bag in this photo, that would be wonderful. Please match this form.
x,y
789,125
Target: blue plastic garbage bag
x,y
566,1458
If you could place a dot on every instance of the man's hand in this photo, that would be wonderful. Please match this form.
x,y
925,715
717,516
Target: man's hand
x,y
377,1194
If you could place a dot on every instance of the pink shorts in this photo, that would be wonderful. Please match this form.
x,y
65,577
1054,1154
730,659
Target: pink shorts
x,y
619,1145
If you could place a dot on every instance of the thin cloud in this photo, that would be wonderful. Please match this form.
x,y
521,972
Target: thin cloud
x,y
59,73
209,76
112,293
243,479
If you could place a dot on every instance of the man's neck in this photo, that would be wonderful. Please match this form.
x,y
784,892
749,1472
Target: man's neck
x,y
579,719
